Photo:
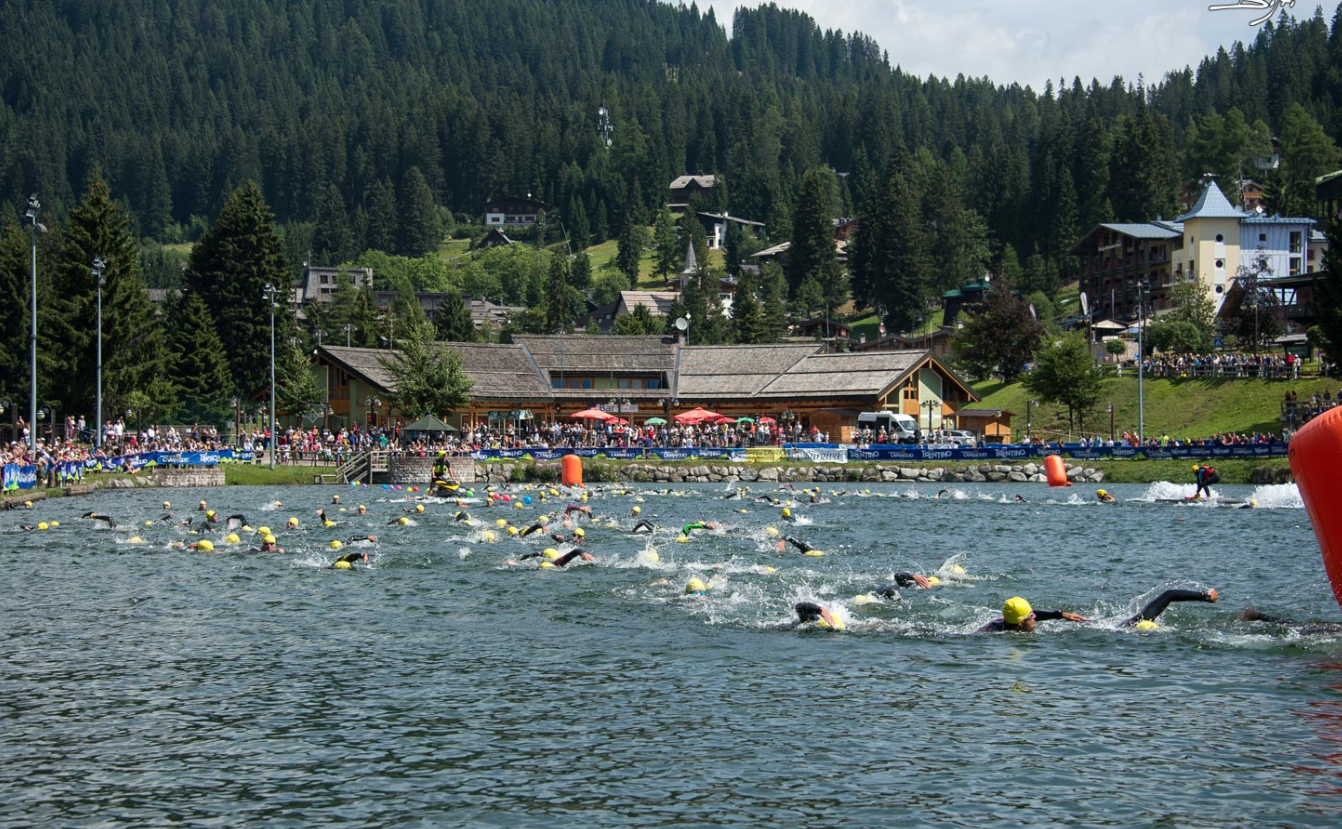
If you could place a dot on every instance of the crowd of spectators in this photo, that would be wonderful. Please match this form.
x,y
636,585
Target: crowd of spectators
x,y
1259,366
1296,412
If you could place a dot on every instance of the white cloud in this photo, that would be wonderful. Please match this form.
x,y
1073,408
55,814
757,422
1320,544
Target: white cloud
x,y
1030,43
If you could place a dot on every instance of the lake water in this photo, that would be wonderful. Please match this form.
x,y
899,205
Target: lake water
x,y
147,686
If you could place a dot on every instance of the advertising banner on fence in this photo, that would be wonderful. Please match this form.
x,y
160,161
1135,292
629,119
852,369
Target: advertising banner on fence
x,y
613,453
19,477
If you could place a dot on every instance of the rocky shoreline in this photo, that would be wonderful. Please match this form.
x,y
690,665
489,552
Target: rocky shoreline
x,y
799,473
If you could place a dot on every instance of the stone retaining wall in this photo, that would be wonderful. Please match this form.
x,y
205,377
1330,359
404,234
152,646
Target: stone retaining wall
x,y
820,473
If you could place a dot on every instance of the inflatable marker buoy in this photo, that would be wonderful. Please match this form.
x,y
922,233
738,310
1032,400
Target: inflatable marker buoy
x,y
1315,452
1056,471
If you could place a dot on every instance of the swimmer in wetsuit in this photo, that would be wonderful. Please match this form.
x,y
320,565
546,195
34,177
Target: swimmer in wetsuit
x,y
347,561
369,538
1306,628
563,560
808,612
534,528
106,521
1017,615
644,526
802,546
698,525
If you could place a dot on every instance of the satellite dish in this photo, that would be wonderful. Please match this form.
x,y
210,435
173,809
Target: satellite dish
x,y
682,323
1085,305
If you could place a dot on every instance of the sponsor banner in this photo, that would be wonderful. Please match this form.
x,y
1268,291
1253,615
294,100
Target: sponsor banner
x,y
19,477
818,455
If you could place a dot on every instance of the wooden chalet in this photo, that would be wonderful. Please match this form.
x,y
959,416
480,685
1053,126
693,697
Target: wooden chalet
x,y
637,377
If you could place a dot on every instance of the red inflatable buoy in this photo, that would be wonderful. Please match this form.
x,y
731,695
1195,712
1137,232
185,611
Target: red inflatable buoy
x,y
570,470
1316,452
1056,471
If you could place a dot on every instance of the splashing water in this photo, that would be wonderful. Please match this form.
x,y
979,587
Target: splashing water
x,y
1278,496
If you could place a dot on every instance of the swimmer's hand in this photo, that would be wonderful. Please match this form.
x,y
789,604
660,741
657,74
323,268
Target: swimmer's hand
x,y
1074,617
921,581
1211,595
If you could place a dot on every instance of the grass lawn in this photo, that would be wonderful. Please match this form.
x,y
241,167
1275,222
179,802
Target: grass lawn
x,y
262,475
1180,408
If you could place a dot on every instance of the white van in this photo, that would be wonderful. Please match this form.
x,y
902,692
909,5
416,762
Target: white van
x,y
901,426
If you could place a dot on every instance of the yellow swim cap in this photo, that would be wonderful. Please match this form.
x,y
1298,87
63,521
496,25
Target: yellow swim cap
x,y
787,513
293,522
263,530
342,565
205,545
547,565
135,539
42,526
209,513
149,523
832,623
637,510
550,553
958,570
489,536
336,545
681,539
1147,624
328,523
167,505
579,532
1015,609
403,521
863,598
813,553
771,532
232,538
933,581
28,504
419,507
696,586
55,524
512,531
268,539
501,523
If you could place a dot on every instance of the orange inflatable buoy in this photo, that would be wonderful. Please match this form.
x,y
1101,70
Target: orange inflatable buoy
x,y
1316,452
570,470
1056,471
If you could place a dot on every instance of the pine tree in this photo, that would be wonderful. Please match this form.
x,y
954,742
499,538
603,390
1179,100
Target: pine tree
x,y
558,303
230,268
452,320
419,230
382,224
747,314
1306,152
773,304
630,249
890,261
580,273
14,321
133,341
812,249
331,237
1327,330
197,368
297,392
666,246
579,226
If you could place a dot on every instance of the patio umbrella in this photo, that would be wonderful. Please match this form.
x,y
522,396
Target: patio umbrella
x,y
594,414
696,415
745,420
654,421
767,419
723,421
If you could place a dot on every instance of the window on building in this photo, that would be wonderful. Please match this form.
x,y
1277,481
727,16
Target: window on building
x,y
1295,264
1262,237
1295,241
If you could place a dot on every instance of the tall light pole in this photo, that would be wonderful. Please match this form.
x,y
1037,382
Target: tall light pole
x,y
99,266
1029,420
1143,291
34,207
347,328
270,291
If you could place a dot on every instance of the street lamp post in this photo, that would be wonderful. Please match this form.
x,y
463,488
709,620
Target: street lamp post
x,y
270,291
1143,291
347,328
99,267
1111,422
930,405
237,422
1029,421
34,207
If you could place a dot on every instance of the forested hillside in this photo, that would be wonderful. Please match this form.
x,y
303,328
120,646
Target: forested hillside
x,y
182,101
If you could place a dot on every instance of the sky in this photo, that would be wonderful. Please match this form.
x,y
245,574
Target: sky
x,y
1032,42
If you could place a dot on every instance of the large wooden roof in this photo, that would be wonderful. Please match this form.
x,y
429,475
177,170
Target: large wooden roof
x,y
599,355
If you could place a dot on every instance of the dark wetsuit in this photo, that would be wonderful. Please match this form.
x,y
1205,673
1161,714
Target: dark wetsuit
x,y
562,560
808,612
534,528
354,538
891,591
800,545
1316,628
103,519
236,522
644,526
1157,606
999,625
462,516
352,558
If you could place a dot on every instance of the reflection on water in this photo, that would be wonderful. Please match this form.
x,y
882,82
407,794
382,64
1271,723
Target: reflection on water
x,y
145,684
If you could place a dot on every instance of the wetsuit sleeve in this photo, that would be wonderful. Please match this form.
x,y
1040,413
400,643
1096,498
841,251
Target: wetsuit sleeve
x,y
905,579
1157,605
1047,615
697,525
808,611
995,626
569,556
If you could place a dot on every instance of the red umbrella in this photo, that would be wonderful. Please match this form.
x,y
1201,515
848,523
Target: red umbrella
x,y
594,414
724,420
696,415
767,419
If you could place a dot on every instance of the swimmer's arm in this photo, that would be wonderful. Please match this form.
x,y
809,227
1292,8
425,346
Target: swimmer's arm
x,y
905,579
1050,615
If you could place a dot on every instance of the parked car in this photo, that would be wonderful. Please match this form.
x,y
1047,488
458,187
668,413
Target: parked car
x,y
960,437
